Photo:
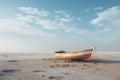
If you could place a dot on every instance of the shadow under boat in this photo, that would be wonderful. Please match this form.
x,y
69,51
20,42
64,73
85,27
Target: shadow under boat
x,y
97,60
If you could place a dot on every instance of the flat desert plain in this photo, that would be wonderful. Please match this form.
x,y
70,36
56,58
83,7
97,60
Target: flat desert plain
x,y
104,66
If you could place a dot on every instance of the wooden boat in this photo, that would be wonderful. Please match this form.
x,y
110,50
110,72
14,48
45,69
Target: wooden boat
x,y
71,55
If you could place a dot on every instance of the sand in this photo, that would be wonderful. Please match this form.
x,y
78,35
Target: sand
x,y
102,67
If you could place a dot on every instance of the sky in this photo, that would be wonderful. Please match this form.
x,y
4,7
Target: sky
x,y
36,26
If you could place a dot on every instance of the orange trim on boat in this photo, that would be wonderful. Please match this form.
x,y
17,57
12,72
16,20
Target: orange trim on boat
x,y
84,57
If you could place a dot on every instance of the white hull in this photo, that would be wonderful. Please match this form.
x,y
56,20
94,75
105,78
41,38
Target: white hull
x,y
85,54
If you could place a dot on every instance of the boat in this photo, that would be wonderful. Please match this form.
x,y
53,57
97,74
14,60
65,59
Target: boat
x,y
86,54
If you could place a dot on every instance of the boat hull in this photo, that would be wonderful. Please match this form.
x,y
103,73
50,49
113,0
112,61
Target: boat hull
x,y
82,57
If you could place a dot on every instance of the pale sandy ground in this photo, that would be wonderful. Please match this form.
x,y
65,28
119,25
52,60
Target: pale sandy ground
x,y
104,66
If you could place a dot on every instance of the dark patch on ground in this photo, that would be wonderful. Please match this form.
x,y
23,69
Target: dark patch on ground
x,y
9,70
12,61
38,71
55,77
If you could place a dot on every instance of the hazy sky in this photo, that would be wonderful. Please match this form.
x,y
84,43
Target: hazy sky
x,y
47,25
